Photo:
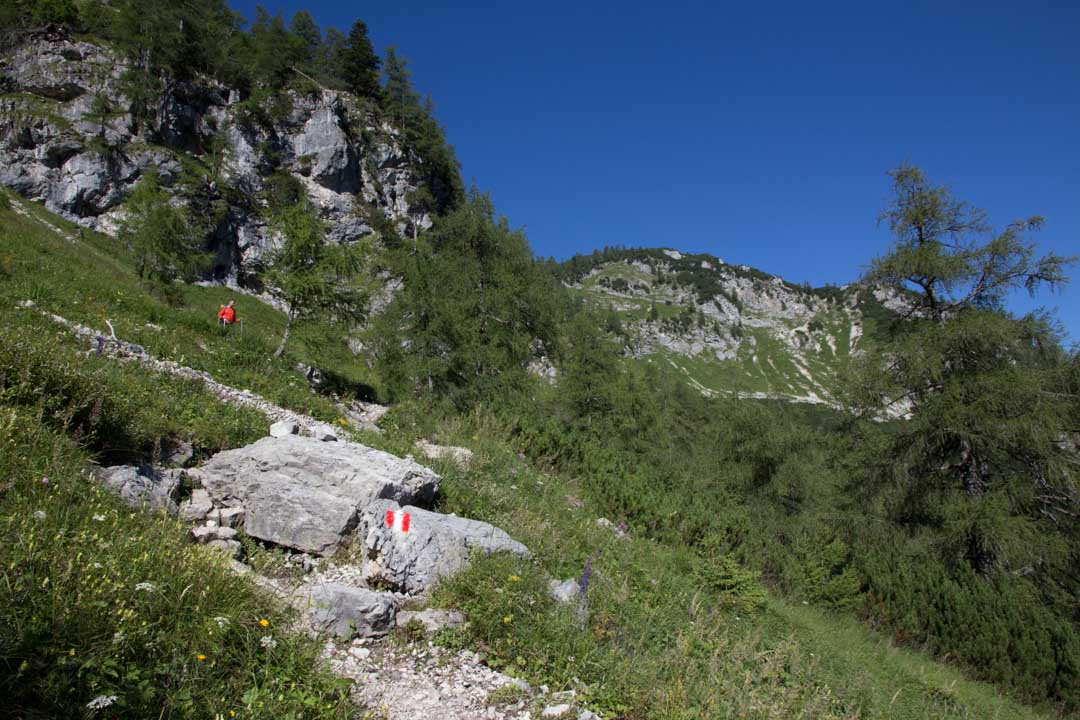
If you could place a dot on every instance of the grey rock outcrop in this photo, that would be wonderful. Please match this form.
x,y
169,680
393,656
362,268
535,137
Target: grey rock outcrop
x,y
307,495
433,546
144,486
197,507
349,611
55,147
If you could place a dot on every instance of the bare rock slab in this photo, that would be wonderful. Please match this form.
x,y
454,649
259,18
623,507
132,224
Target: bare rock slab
x,y
409,549
307,495
348,612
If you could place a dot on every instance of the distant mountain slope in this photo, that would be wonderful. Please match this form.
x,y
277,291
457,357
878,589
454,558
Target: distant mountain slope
x,y
731,328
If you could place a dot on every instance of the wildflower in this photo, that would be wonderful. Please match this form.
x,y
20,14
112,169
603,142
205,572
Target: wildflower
x,y
515,578
148,587
101,702
97,566
40,515
200,657
71,652
45,480
264,622
99,518
268,642
222,622
507,619
118,637
232,713
585,575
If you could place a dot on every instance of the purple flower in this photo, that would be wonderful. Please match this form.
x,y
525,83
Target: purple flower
x,y
45,480
100,344
588,571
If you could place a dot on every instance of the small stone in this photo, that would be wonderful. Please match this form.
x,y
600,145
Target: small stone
x,y
232,517
196,507
231,548
204,534
283,428
554,711
587,715
324,433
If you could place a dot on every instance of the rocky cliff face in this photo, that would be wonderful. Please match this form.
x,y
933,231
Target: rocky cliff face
x,y
67,140
731,328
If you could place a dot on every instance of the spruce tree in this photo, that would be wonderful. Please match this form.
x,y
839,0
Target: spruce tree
x,y
359,63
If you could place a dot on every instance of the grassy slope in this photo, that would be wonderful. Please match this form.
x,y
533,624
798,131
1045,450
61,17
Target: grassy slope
x,y
655,644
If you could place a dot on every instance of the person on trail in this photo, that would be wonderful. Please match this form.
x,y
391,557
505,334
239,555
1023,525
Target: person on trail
x,y
227,314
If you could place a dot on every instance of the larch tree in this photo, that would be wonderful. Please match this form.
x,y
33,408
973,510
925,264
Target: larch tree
x,y
311,277
985,391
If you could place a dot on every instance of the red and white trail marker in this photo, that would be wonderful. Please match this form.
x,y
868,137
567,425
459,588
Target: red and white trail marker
x,y
397,521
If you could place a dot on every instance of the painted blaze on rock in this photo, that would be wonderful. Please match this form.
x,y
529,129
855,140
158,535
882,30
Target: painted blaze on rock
x,y
433,545
307,495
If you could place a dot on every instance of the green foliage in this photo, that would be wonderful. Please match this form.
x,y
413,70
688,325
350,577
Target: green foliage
x,y
311,277
1002,626
103,604
735,586
119,411
158,235
473,303
359,63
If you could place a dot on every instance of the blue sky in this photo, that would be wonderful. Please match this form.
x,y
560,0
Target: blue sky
x,y
758,132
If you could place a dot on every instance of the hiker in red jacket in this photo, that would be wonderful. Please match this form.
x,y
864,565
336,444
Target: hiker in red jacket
x,y
227,314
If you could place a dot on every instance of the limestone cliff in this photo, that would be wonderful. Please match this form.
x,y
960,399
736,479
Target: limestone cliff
x,y
732,328
67,140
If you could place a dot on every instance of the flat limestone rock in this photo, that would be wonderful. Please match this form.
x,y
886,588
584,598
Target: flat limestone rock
x,y
347,611
304,494
412,557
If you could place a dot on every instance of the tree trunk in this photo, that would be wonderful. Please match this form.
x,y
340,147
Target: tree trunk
x,y
284,338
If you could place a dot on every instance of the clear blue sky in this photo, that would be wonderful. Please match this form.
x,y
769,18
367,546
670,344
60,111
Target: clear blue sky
x,y
759,132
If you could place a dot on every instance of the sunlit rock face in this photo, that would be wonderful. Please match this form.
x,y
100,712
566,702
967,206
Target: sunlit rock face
x,y
68,141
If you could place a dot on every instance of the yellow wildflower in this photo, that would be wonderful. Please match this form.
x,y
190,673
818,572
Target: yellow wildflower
x,y
264,622
515,578
200,657
507,619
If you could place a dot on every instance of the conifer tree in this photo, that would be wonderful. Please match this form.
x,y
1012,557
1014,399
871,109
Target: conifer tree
x,y
159,235
979,455
308,37
359,63
308,275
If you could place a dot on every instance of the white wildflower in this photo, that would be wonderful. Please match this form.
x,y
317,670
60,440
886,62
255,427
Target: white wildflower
x,y
222,622
118,637
148,587
101,702
99,518
40,515
268,642
97,566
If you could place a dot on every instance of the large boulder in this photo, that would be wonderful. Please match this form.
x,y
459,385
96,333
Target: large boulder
x,y
409,549
143,486
304,494
347,611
